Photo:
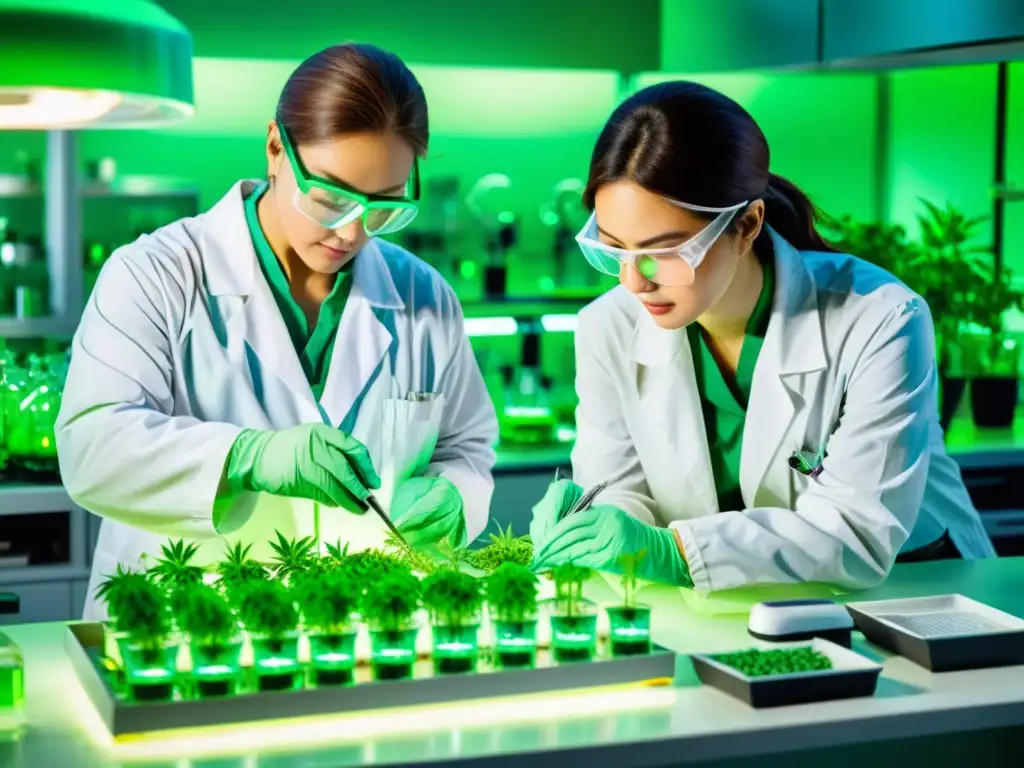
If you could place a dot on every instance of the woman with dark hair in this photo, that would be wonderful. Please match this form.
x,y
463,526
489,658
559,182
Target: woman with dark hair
x,y
762,407
262,367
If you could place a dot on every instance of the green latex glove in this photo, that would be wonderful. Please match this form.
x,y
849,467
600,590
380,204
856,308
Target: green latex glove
x,y
311,461
427,509
558,500
598,537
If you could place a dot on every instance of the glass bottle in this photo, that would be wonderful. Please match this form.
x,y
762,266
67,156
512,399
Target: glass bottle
x,y
12,683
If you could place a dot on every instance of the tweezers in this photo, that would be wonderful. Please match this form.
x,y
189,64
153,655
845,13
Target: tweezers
x,y
586,501
370,502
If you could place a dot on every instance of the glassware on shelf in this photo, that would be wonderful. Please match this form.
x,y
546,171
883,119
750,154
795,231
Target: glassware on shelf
x,y
33,396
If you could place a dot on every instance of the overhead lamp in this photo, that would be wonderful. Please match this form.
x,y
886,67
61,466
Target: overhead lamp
x,y
75,64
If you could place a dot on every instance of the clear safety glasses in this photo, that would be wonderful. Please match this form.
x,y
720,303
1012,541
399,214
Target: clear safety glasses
x,y
333,206
665,266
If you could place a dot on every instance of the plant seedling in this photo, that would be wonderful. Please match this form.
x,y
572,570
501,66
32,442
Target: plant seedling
x,y
630,563
512,593
391,600
782,661
371,564
292,555
569,581
237,568
452,598
505,547
123,581
266,609
415,560
206,615
175,569
326,600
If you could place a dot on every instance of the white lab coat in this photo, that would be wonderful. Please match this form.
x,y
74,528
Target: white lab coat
x,y
182,345
847,367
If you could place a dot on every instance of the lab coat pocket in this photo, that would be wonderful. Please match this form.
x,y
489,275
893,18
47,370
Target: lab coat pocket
x,y
409,433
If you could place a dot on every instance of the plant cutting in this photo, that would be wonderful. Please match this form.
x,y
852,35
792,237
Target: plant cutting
x,y
142,632
504,547
269,615
420,562
574,620
388,607
630,623
215,642
512,602
327,602
238,568
292,555
453,600
175,571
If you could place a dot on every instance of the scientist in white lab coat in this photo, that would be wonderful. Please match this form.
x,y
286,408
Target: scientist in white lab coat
x,y
763,407
267,364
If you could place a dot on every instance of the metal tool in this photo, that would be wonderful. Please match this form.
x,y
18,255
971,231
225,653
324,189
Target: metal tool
x,y
371,503
587,499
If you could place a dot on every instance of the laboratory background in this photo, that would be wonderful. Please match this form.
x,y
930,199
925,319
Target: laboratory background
x,y
902,119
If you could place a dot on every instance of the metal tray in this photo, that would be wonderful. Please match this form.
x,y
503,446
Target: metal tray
x,y
851,676
943,633
84,643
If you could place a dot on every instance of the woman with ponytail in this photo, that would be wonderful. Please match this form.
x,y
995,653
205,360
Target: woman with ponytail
x,y
762,408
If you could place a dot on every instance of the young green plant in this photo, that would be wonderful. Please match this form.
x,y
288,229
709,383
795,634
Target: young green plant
x,y
569,580
452,598
266,609
391,600
504,547
326,601
238,568
630,563
292,555
512,593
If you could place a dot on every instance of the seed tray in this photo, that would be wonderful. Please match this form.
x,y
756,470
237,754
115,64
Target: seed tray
x,y
851,676
85,647
943,633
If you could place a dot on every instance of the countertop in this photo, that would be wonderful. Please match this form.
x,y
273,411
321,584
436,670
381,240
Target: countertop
x,y
685,724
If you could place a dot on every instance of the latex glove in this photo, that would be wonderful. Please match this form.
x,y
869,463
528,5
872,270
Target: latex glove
x,y
598,537
427,509
558,500
310,461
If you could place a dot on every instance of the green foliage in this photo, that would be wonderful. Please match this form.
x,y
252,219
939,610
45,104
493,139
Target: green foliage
x,y
237,568
452,598
136,605
175,569
391,599
266,608
950,270
630,563
414,559
512,592
505,547
569,581
371,564
327,599
205,614
292,555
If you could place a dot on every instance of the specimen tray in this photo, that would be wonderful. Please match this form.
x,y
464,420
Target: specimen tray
x,y
84,643
942,633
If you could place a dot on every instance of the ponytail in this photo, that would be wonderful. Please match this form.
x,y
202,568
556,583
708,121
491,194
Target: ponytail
x,y
792,214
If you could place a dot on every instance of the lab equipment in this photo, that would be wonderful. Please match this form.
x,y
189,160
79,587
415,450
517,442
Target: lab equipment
x,y
586,501
333,206
487,200
564,213
12,683
793,620
943,633
665,266
761,678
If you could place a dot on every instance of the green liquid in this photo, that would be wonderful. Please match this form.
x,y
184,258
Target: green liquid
x,y
12,686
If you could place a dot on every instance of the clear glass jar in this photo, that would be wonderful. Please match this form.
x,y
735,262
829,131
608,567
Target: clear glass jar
x,y
573,630
12,682
393,651
515,643
150,667
216,666
455,647
332,656
629,630
275,662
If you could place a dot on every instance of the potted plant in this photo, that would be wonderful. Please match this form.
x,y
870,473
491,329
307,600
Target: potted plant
x,y
504,547
139,615
237,568
270,617
388,607
453,600
328,601
292,556
630,623
573,618
214,637
968,298
512,603
175,571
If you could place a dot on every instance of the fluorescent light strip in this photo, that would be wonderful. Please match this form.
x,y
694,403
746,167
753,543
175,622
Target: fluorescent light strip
x,y
490,326
558,323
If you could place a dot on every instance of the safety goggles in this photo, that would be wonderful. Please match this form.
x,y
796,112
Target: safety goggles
x,y
665,266
333,206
